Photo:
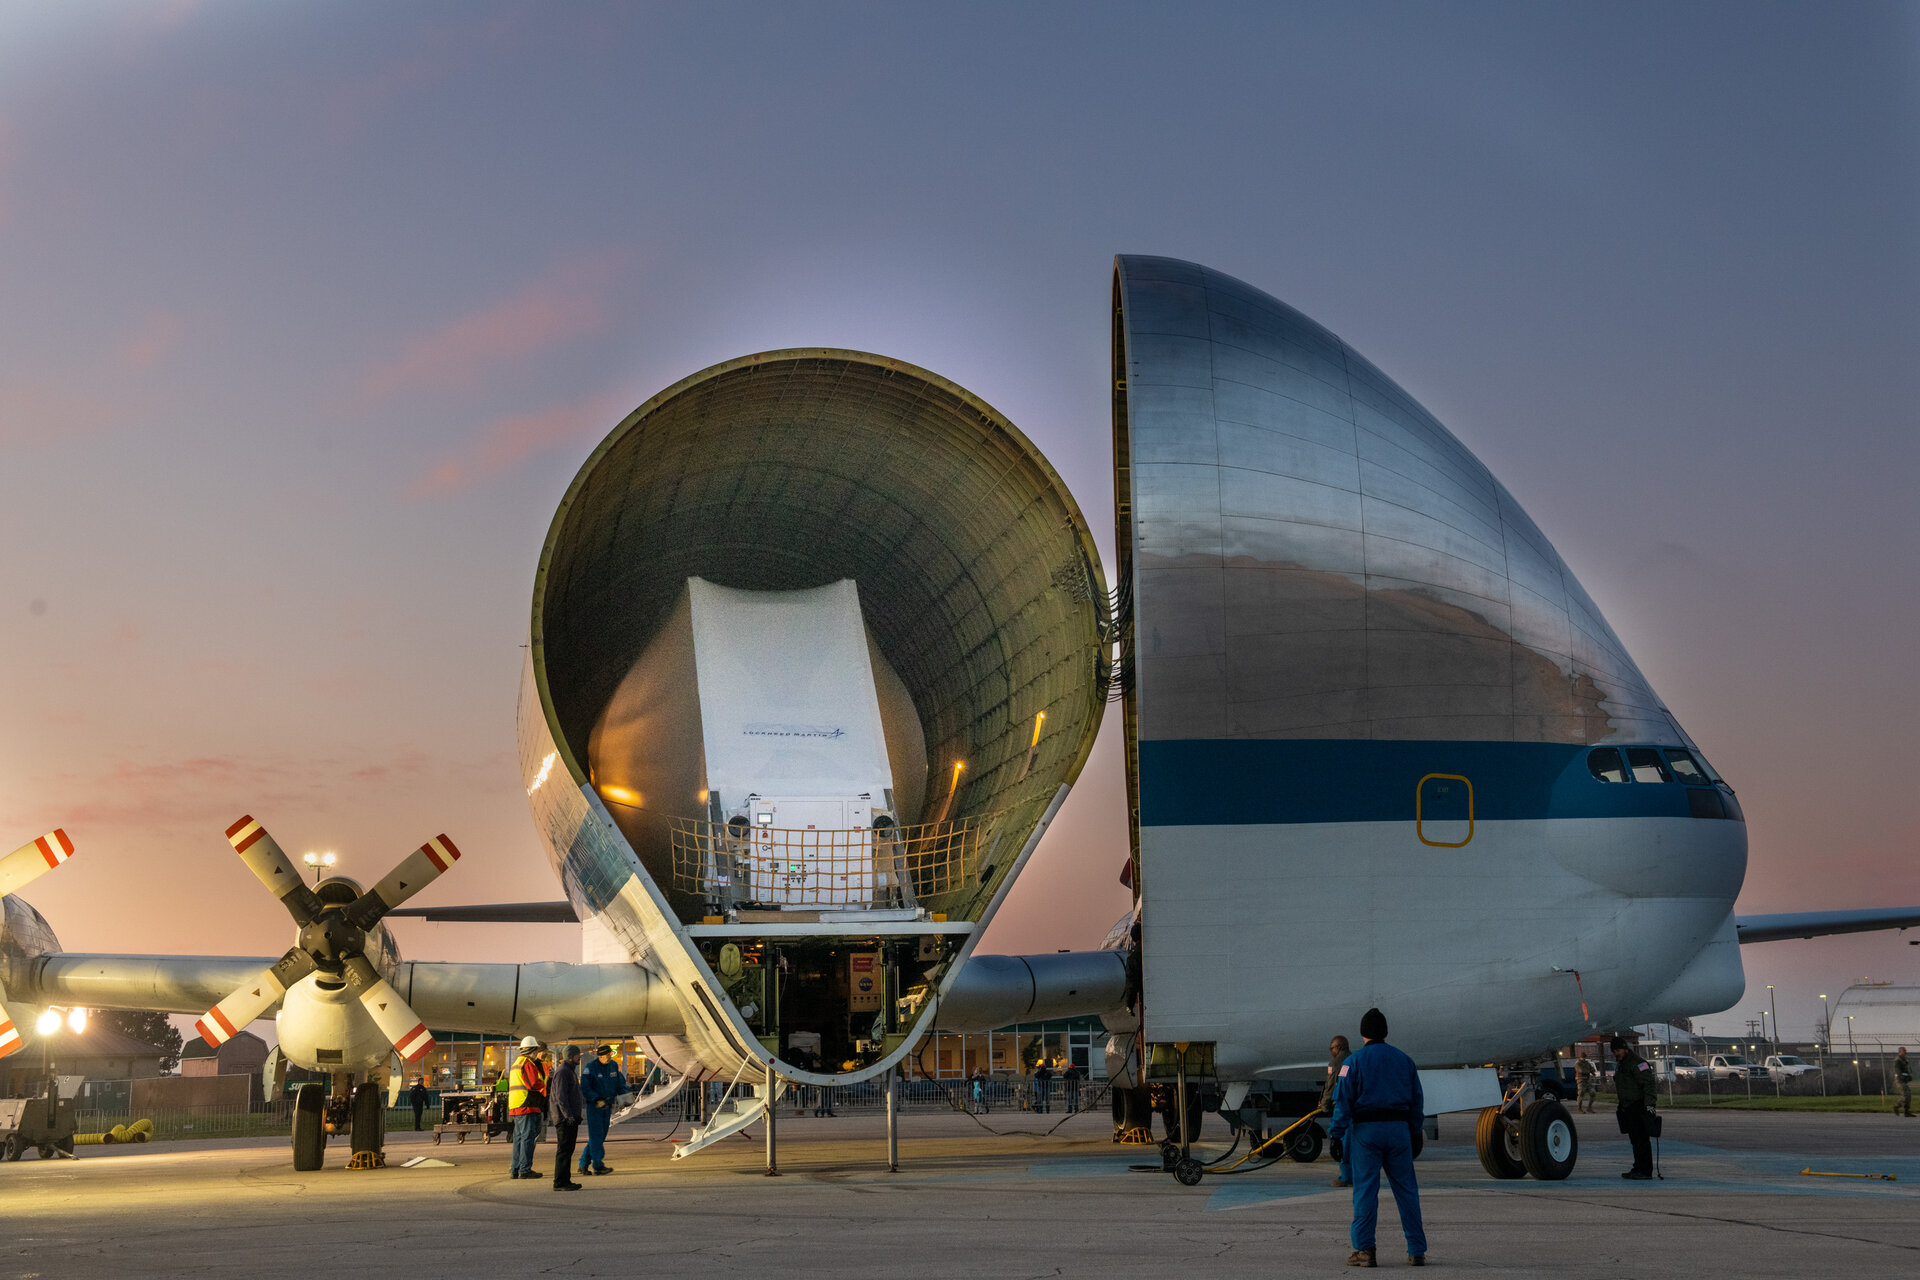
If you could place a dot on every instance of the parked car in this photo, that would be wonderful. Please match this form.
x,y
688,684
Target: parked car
x,y
1784,1066
1680,1067
1731,1066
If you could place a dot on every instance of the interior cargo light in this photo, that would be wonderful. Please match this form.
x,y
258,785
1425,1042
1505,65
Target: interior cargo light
x,y
49,1022
621,795
77,1019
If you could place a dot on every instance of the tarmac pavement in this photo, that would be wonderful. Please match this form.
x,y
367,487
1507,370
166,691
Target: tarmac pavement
x,y
967,1202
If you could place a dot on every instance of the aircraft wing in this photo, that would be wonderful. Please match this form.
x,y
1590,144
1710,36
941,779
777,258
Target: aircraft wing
x,y
551,999
157,984
497,913
992,991
1817,924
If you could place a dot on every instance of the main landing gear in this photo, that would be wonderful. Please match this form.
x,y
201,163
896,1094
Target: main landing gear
x,y
1528,1133
360,1112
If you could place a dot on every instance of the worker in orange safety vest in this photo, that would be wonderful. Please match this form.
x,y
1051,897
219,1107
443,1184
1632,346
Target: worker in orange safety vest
x,y
527,1104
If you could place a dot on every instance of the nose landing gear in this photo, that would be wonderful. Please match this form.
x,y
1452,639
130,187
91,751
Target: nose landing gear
x,y
358,1111
1527,1135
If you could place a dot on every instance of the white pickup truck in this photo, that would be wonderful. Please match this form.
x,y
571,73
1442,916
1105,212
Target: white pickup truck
x,y
1731,1066
1782,1067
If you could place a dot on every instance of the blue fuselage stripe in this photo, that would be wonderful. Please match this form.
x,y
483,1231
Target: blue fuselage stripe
x,y
1228,781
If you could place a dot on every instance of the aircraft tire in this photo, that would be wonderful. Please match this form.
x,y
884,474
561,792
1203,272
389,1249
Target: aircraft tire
x,y
1549,1143
369,1118
309,1127
1304,1146
1499,1153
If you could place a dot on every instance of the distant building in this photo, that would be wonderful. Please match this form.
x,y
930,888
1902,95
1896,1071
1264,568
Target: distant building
x,y
244,1054
98,1053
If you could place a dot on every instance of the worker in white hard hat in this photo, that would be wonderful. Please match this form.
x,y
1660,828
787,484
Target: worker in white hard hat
x,y
527,1104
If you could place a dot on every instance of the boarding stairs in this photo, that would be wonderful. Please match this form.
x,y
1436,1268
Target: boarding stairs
x,y
737,1109
662,1092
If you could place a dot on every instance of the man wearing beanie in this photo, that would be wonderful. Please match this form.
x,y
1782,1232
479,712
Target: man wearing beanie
x,y
1638,1090
1377,1108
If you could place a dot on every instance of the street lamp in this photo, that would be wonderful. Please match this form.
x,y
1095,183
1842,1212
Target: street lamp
x,y
1858,1088
1776,1018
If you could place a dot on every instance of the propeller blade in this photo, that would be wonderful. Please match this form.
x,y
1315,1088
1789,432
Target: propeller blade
x,y
222,1022
271,868
416,871
32,860
395,1018
9,1035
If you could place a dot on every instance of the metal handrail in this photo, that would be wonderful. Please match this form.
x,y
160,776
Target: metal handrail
x,y
850,867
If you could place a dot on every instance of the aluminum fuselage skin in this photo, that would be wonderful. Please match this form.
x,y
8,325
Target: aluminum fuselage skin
x,y
1335,604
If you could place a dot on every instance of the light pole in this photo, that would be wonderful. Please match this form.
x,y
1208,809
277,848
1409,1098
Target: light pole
x,y
1827,1034
1776,1017
1776,1049
1854,1053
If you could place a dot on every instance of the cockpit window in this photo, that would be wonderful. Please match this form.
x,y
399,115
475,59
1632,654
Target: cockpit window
x,y
1605,764
1647,765
1686,770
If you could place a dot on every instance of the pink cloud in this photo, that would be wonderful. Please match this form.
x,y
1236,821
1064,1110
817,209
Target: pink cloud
x,y
147,345
205,793
36,412
507,442
438,51
7,154
560,306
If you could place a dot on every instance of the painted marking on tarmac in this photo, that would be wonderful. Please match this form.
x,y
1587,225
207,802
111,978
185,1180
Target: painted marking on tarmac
x,y
1714,1169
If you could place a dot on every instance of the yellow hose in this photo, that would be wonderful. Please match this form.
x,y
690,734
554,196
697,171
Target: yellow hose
x,y
1280,1137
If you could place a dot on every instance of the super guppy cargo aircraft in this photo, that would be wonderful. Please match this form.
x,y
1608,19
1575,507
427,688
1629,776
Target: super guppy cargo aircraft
x,y
819,643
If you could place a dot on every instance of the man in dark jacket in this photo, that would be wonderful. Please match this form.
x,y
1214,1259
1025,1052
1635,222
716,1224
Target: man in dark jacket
x,y
1903,1083
1637,1091
568,1109
1378,1107
601,1083
418,1096
1337,1050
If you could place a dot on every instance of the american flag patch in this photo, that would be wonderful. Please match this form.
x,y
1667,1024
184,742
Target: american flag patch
x,y
1343,1068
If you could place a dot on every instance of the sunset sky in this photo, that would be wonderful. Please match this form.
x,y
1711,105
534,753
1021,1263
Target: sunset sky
x,y
309,313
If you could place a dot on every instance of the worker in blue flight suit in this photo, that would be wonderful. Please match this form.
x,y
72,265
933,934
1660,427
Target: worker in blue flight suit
x,y
601,1083
1377,1110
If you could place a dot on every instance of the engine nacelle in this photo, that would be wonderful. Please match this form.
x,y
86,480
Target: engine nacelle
x,y
323,1028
